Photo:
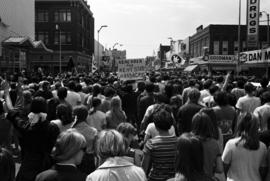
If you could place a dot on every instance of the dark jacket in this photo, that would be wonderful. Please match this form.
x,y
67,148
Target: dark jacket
x,y
143,104
36,141
61,173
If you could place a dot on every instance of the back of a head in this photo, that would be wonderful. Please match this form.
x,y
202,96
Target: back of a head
x,y
192,82
38,105
149,87
202,126
81,112
190,156
64,113
62,93
163,118
207,84
249,88
141,86
78,87
7,165
57,85
194,95
96,102
68,144
96,89
116,103
264,82
110,143
220,79
266,97
126,129
240,84
221,98
45,85
213,89
109,91
71,85
247,129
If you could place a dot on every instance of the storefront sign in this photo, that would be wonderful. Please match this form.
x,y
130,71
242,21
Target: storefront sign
x,y
253,13
221,58
131,69
256,56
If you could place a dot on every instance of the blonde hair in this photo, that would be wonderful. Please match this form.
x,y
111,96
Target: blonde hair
x,y
116,104
68,144
110,143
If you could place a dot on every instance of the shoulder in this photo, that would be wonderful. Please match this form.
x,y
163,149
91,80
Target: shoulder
x,y
47,175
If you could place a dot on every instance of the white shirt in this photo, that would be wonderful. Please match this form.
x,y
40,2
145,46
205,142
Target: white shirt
x,y
263,114
248,103
97,120
73,98
151,130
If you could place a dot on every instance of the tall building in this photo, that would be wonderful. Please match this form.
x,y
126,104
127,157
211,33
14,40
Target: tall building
x,y
66,27
17,32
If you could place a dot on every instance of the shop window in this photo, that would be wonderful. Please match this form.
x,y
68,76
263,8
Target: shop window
x,y
235,47
43,36
65,37
225,48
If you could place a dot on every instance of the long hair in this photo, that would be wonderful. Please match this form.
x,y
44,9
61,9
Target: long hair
x,y
247,130
64,113
190,156
202,126
210,112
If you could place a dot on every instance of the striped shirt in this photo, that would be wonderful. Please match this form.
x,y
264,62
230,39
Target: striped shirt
x,y
162,150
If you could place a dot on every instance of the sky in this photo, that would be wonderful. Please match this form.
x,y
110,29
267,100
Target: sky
x,y
142,25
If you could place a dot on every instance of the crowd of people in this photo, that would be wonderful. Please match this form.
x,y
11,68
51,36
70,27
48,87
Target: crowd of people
x,y
167,127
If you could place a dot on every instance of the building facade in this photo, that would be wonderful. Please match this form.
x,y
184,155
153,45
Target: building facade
x,y
217,45
66,27
17,31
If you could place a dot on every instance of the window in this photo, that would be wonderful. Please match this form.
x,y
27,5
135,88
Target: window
x,y
216,47
235,47
65,37
43,36
63,15
42,16
225,48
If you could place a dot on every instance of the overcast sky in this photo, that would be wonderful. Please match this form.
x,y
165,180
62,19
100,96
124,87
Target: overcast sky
x,y
141,25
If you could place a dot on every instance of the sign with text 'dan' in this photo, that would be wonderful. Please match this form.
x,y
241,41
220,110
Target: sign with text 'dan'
x,y
253,14
131,69
255,56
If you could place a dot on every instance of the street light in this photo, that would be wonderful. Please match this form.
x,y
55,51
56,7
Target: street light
x,y
103,26
57,27
268,31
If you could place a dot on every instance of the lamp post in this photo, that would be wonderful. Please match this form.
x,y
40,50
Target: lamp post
x,y
57,27
239,39
103,26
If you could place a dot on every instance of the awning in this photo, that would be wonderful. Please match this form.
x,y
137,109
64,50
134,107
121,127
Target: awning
x,y
190,68
25,42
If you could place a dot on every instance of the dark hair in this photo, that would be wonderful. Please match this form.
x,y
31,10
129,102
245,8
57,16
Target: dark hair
x,y
213,89
141,86
81,112
96,90
126,129
95,103
264,82
189,160
220,79
192,82
149,87
71,85
57,85
265,97
194,95
62,93
210,112
64,113
78,87
207,84
249,88
163,118
169,90
1,107
240,84
109,92
247,129
39,105
221,98
7,165
202,126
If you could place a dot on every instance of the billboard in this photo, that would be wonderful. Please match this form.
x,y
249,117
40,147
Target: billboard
x,y
253,14
131,69
255,56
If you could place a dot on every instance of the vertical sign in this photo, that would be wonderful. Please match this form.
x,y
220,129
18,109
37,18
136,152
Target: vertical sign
x,y
253,14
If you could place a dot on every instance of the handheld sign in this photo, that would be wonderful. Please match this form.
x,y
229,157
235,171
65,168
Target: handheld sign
x,y
131,69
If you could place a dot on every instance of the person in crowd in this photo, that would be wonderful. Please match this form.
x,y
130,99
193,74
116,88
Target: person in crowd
x,y
160,151
187,111
219,82
239,90
79,90
5,128
111,149
115,115
175,104
67,153
205,92
244,156
37,137
80,113
57,85
44,91
209,100
73,98
203,128
130,135
105,106
146,101
186,91
27,99
7,165
151,130
226,115
96,118
96,93
264,87
268,163
64,119
249,102
189,160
